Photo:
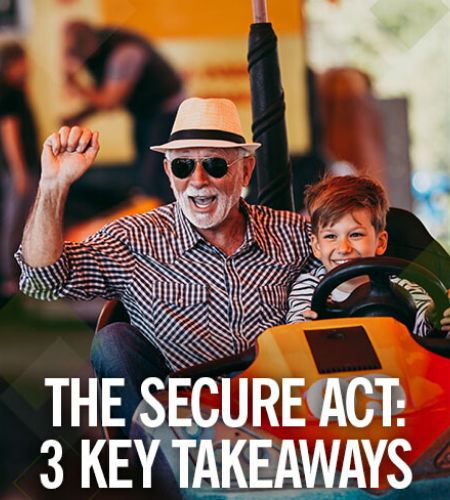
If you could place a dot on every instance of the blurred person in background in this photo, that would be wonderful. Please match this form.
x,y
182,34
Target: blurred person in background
x,y
127,72
352,127
19,160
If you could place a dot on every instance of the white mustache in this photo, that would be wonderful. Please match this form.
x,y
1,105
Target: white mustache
x,y
193,193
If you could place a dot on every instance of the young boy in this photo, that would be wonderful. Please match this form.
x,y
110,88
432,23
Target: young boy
x,y
348,220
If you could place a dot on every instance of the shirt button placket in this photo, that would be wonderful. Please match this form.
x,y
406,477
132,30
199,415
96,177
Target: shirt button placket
x,y
236,306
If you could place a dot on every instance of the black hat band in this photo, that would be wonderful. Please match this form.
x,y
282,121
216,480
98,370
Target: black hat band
x,y
215,135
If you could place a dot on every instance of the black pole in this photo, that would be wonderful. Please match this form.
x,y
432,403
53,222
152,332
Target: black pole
x,y
273,164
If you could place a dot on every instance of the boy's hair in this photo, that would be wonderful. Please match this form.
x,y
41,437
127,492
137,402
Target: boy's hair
x,y
334,197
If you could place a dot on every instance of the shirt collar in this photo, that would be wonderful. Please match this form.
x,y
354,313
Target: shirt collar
x,y
187,235
254,232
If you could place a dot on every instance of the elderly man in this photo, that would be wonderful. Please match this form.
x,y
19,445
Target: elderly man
x,y
201,278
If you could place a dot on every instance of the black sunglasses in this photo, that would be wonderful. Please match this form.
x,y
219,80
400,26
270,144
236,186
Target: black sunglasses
x,y
215,167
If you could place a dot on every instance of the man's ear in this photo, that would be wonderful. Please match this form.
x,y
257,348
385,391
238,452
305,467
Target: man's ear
x,y
167,167
168,171
315,246
382,241
249,165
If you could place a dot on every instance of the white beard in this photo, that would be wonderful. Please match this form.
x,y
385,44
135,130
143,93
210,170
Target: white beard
x,y
224,203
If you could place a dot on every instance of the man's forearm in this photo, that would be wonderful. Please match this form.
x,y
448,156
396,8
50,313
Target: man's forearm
x,y
66,155
43,240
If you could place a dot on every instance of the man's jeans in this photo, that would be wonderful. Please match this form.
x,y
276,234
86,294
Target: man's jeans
x,y
120,351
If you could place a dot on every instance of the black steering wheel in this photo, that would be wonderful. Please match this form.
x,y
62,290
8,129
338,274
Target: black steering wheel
x,y
379,297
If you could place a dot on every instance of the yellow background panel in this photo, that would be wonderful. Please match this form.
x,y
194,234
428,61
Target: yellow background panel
x,y
217,67
193,18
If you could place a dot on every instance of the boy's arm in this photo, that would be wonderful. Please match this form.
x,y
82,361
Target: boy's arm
x,y
299,302
423,325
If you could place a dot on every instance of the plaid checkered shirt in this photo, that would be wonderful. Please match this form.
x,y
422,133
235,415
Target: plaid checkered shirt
x,y
188,298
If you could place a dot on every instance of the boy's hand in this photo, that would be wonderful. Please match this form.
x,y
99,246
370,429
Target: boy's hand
x,y
310,315
445,320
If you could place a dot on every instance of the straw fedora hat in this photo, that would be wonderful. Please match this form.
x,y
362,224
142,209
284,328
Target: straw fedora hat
x,y
206,123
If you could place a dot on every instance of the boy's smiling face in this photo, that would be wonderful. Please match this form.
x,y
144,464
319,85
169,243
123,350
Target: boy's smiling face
x,y
351,237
